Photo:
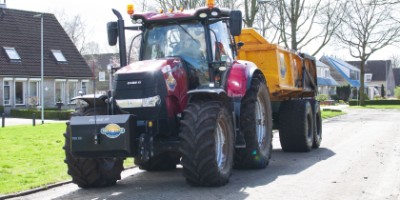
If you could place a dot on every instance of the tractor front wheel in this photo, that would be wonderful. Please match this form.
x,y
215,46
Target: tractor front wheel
x,y
91,172
207,144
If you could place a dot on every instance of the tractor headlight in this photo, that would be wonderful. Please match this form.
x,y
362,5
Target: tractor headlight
x,y
139,103
151,101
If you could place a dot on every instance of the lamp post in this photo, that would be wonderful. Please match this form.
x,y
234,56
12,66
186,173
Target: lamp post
x,y
41,65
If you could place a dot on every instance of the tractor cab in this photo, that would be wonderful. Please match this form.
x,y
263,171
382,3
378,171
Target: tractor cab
x,y
203,39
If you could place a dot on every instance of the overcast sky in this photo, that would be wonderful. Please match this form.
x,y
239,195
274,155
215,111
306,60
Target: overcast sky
x,y
97,13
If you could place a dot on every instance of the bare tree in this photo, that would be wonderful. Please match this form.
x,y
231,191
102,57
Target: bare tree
x,y
177,4
75,28
301,23
368,28
395,58
250,10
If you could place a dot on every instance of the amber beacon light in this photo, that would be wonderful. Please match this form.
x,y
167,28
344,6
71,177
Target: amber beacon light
x,y
130,9
210,3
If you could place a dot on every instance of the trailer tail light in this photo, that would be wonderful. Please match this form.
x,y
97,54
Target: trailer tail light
x,y
210,3
130,9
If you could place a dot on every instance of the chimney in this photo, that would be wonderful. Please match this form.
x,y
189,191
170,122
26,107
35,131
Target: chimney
x,y
3,4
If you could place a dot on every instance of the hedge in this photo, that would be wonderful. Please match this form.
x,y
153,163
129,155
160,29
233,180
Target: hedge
x,y
1,109
48,114
375,102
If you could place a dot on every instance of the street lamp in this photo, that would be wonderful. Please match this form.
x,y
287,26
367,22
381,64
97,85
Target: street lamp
x,y
41,64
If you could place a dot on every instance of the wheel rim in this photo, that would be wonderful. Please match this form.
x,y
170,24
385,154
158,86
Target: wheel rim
x,y
260,122
220,147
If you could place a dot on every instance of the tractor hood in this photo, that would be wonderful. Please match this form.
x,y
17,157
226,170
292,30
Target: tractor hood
x,y
149,66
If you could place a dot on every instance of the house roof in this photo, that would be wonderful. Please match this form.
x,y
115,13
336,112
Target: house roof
x,y
19,29
378,68
326,81
338,64
396,72
102,60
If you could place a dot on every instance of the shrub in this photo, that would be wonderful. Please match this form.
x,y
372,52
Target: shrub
x,y
1,109
48,114
343,92
322,97
397,92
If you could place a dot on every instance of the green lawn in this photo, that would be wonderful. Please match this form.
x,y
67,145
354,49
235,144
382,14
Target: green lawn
x,y
378,107
31,156
330,114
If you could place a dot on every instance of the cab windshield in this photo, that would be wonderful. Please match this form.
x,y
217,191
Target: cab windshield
x,y
181,40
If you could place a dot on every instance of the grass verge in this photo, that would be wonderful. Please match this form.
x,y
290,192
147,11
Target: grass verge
x,y
377,107
33,157
329,113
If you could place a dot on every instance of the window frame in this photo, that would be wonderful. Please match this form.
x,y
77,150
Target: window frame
x,y
12,54
62,90
68,95
10,82
59,56
23,81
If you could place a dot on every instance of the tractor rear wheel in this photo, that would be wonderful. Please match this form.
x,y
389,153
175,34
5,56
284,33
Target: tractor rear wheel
x,y
256,125
91,172
296,126
207,144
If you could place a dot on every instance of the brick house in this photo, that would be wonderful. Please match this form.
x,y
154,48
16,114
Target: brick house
x,y
65,70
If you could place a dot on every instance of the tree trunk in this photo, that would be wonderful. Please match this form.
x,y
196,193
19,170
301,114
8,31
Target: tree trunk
x,y
362,94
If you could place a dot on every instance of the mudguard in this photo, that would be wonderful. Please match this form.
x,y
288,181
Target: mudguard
x,y
93,99
239,78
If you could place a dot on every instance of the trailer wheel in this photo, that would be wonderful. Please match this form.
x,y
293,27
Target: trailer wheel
x,y
296,126
161,162
256,125
207,144
317,123
91,172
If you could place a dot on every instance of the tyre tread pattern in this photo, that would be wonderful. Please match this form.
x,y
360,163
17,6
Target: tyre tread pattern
x,y
198,144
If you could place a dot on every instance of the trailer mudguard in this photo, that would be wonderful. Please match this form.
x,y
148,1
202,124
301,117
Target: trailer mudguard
x,y
92,99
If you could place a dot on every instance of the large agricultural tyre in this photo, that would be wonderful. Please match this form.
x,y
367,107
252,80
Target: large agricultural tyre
x,y
162,162
317,123
296,126
91,172
256,125
207,143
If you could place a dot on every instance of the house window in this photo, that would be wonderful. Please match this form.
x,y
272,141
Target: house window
x,y
59,56
19,92
326,73
12,54
59,91
6,92
368,77
72,90
84,85
354,75
34,92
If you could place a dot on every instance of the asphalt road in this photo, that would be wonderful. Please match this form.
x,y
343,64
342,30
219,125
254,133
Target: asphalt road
x,y
359,158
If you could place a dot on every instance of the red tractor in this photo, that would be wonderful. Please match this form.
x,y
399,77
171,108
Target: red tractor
x,y
186,101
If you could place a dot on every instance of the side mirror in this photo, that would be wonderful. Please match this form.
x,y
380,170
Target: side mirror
x,y
235,22
112,33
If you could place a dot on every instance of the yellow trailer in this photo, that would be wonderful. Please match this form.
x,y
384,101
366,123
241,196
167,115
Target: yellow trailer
x,y
289,74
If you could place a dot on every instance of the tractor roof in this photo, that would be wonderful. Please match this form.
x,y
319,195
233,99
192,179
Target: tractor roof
x,y
197,14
